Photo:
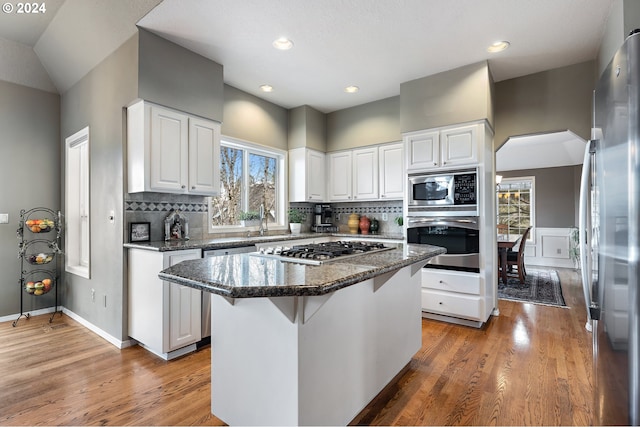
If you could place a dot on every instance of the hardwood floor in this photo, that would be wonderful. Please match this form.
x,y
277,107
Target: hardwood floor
x,y
529,366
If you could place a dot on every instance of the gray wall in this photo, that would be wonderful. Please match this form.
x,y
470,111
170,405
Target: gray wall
x,y
556,194
623,18
455,96
97,101
549,101
307,128
178,78
367,124
29,177
250,118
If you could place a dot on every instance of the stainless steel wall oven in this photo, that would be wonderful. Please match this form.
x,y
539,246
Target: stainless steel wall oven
x,y
459,235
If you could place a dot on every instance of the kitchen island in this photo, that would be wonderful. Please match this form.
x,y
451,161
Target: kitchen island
x,y
295,344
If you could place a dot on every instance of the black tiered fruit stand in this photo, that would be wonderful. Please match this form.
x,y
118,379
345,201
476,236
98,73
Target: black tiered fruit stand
x,y
38,243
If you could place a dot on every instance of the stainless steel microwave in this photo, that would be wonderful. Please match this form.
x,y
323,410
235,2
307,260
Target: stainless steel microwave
x,y
447,190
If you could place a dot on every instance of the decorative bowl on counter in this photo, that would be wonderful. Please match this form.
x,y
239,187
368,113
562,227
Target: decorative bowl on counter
x,y
40,258
39,225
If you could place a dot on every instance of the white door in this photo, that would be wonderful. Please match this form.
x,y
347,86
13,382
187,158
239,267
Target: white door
x,y
365,173
459,146
315,175
340,176
185,308
422,150
204,157
169,150
391,169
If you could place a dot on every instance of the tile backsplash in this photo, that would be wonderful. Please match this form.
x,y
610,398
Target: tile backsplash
x,y
154,208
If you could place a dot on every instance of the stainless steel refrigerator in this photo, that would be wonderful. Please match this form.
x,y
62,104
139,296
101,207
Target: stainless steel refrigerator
x,y
610,237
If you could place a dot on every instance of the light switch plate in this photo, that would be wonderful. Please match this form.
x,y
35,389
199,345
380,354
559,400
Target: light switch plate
x,y
4,218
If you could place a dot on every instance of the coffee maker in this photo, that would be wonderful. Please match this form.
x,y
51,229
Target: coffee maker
x,y
323,215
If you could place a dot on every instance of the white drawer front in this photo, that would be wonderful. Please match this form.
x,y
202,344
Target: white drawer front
x,y
452,281
457,305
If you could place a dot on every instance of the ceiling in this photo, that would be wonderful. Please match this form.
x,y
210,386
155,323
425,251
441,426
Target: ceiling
x,y
373,44
545,150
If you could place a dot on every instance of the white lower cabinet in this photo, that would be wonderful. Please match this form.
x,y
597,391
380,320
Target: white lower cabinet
x,y
164,317
453,293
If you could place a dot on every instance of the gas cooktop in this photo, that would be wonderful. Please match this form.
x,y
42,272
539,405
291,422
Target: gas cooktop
x,y
318,253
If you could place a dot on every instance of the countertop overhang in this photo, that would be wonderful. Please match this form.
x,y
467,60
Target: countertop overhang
x,y
249,276
236,242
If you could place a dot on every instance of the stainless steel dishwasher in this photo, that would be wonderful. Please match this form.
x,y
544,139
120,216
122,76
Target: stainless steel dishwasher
x,y
206,296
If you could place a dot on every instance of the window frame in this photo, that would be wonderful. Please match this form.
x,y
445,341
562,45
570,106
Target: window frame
x,y
282,195
532,204
78,204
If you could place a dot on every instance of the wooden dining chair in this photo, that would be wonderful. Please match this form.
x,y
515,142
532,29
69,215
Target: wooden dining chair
x,y
516,259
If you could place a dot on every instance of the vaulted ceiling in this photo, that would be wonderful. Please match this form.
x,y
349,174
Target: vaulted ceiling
x,y
373,44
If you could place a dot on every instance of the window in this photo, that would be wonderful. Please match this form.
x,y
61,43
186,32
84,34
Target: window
x,y
77,224
516,204
250,176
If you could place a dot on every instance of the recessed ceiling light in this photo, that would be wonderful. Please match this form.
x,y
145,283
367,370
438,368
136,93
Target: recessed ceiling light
x,y
266,88
283,43
351,89
498,46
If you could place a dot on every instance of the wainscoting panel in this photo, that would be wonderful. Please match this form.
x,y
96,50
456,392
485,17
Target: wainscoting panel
x,y
551,248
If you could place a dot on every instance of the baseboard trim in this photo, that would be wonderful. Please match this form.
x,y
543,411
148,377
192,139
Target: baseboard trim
x,y
93,328
12,317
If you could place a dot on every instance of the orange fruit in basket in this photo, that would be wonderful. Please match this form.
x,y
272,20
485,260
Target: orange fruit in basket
x,y
38,292
46,282
35,228
29,223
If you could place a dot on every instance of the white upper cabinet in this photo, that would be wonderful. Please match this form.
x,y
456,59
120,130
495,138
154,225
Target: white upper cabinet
x,y
459,146
365,173
391,171
204,155
340,176
423,150
306,175
169,149
446,147
171,152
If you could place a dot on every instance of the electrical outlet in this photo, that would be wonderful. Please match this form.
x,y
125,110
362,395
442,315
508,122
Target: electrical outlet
x,y
93,295
559,251
4,218
385,216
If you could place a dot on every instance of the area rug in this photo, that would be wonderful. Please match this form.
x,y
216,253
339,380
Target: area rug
x,y
540,287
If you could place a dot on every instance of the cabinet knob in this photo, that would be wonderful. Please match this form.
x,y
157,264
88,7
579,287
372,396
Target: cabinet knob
x,y
444,163
382,195
441,281
183,187
193,187
440,303
435,164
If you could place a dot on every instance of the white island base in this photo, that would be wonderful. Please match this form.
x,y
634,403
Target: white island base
x,y
312,360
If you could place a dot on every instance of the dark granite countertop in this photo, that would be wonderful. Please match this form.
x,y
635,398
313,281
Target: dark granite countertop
x,y
234,242
251,276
